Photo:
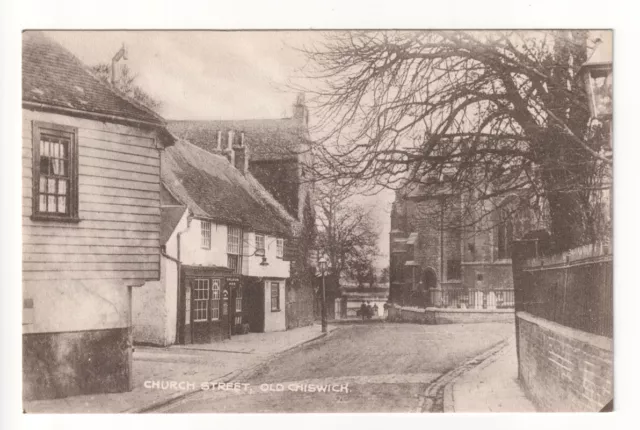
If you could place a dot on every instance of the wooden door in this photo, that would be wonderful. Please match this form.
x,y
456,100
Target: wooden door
x,y
253,304
237,307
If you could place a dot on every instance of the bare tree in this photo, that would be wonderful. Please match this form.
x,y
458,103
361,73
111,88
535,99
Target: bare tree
x,y
474,114
347,233
126,83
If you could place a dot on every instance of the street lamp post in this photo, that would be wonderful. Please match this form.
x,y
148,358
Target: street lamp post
x,y
323,266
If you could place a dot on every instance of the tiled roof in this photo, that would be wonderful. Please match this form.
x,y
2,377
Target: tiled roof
x,y
267,139
212,188
169,218
51,75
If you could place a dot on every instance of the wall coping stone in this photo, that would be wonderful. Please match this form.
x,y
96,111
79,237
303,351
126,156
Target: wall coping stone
x,y
595,340
455,310
502,262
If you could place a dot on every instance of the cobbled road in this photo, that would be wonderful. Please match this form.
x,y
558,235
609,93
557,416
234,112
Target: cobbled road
x,y
377,367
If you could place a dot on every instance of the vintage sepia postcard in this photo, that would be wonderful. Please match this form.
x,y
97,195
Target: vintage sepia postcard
x,y
317,221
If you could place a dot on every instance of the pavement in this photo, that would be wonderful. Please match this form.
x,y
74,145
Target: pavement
x,y
188,366
490,386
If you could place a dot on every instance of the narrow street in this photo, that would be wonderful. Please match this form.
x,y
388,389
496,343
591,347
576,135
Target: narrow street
x,y
383,367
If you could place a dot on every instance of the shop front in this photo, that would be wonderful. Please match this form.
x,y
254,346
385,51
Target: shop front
x,y
210,304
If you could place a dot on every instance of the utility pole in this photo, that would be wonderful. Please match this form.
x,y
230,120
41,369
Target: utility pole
x,y
323,266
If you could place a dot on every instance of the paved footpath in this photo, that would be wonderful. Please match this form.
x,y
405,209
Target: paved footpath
x,y
190,364
491,386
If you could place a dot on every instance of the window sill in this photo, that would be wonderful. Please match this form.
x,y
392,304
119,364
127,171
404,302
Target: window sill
x,y
276,310
70,220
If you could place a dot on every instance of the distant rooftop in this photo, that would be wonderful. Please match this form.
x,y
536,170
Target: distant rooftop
x,y
267,139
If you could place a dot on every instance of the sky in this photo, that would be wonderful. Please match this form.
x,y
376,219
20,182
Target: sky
x,y
216,75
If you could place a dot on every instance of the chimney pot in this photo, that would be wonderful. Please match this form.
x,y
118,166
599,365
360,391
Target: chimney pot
x,y
230,139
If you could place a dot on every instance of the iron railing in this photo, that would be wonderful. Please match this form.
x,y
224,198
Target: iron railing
x,y
467,298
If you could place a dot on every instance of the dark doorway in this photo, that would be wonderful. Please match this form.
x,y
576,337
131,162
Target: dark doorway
x,y
429,279
254,304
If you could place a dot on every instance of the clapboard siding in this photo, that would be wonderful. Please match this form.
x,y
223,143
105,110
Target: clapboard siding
x,y
92,258
67,267
38,239
87,205
81,249
118,200
104,154
110,204
117,236
140,275
99,190
119,165
124,184
88,232
122,148
118,137
27,222
120,213
115,208
120,173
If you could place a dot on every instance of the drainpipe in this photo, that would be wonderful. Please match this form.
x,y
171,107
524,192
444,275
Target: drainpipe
x,y
178,260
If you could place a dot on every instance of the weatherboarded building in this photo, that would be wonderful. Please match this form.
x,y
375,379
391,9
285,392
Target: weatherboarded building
x,y
224,268
90,222
280,153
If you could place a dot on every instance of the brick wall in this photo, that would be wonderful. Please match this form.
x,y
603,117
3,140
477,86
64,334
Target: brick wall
x,y
564,369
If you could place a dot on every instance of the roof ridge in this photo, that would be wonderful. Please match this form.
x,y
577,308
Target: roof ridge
x,y
222,157
231,120
199,159
86,69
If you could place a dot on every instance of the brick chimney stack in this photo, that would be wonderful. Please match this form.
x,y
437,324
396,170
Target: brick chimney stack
x,y
241,158
300,111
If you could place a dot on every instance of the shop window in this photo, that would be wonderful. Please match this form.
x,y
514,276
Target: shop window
x,y
201,300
